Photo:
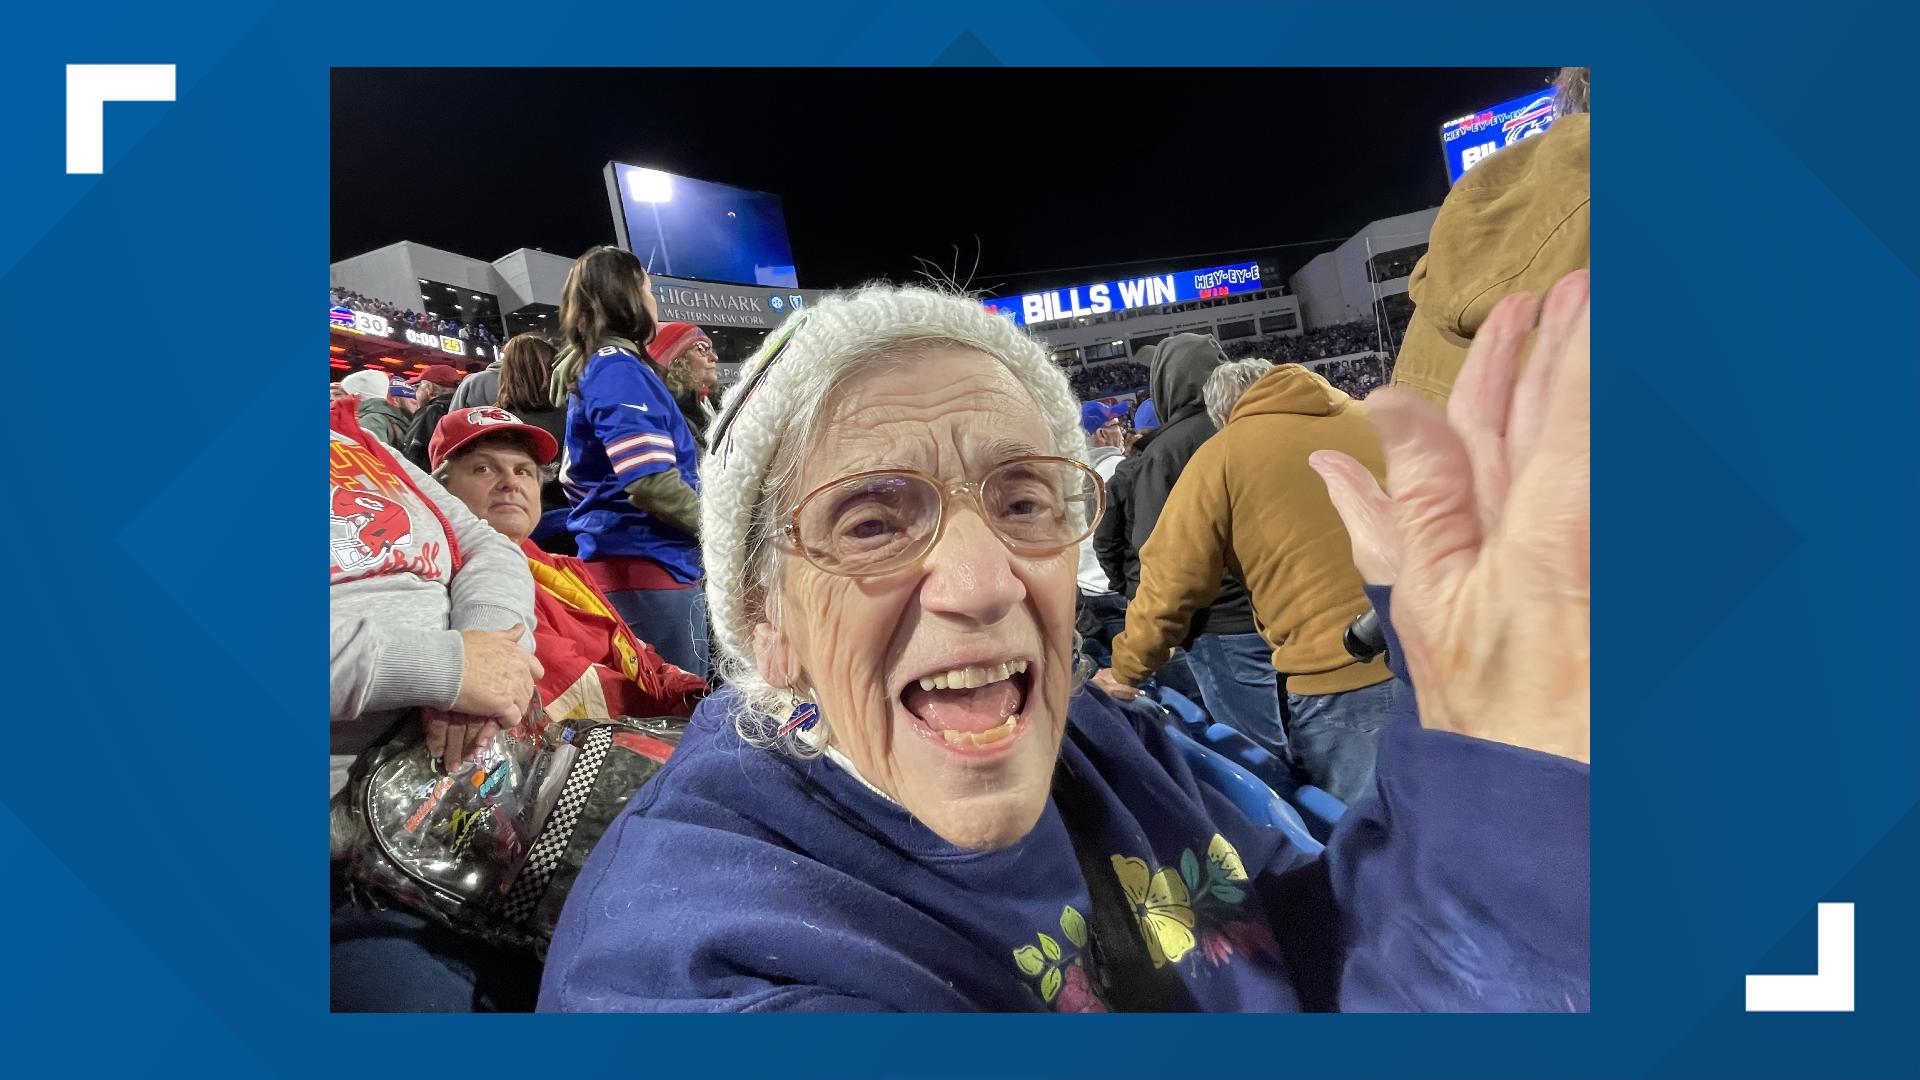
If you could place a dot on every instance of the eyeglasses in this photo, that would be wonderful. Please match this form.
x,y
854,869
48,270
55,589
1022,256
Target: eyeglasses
x,y
702,345
877,522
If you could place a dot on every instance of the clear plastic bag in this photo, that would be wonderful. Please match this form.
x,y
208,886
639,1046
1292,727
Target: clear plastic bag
x,y
493,847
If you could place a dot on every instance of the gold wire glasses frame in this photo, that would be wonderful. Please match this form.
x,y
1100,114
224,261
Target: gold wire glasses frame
x,y
872,556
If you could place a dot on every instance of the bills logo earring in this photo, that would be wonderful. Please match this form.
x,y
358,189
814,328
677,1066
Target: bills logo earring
x,y
805,715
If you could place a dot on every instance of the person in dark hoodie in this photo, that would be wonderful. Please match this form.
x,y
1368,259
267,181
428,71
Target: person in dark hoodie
x,y
1113,539
1230,660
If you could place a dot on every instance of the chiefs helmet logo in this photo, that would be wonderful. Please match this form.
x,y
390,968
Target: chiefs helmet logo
x,y
491,414
365,527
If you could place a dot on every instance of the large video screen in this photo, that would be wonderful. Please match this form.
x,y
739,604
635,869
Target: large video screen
x,y
686,228
1477,136
1111,296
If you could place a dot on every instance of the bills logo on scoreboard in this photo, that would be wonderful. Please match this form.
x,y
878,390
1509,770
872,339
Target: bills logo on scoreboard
x,y
1530,121
360,322
1468,140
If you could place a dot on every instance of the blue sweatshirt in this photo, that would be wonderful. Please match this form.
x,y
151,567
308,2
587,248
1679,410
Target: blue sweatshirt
x,y
740,879
623,425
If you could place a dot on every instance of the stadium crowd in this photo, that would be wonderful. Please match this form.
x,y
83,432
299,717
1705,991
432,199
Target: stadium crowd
x,y
904,606
409,319
1318,343
1108,379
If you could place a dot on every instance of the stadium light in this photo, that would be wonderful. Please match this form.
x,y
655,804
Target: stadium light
x,y
649,186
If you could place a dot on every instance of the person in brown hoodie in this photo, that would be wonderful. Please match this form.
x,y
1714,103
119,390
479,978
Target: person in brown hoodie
x,y
1248,504
1518,222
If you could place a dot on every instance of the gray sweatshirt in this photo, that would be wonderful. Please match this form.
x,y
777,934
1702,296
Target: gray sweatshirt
x,y
395,616
480,388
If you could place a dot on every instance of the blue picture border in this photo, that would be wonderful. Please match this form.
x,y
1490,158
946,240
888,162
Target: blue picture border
x,y
1755,722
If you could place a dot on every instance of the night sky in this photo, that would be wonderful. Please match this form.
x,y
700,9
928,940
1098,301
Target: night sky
x,y
1037,172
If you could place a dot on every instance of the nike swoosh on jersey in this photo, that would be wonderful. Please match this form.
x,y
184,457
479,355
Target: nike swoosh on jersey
x,y
642,408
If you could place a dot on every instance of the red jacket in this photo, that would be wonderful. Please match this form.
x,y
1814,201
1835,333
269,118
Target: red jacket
x,y
595,666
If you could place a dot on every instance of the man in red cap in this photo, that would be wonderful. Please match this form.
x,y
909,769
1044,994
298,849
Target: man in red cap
x,y
595,666
691,369
432,393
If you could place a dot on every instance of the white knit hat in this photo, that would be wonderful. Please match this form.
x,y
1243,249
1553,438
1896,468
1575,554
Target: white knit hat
x,y
778,400
367,384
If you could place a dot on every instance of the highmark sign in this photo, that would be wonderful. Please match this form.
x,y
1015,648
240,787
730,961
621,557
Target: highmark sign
x,y
709,304
1127,295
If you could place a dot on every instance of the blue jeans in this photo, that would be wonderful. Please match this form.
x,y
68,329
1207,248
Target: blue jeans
x,y
1335,736
1235,672
673,621
1177,674
397,961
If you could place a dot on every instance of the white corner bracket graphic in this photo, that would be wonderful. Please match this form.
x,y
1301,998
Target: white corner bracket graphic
x,y
1829,988
89,88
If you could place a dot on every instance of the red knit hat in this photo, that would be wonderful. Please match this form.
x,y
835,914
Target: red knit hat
x,y
672,339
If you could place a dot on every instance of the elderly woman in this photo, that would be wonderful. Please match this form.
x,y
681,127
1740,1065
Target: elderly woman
x,y
905,799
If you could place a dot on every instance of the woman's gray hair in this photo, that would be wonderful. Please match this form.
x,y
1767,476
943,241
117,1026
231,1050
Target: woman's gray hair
x,y
750,476
1227,383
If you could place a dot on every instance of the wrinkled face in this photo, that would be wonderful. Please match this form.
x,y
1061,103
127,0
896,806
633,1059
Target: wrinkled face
x,y
500,482
970,614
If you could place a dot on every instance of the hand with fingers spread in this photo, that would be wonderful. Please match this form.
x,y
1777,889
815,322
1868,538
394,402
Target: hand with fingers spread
x,y
1486,527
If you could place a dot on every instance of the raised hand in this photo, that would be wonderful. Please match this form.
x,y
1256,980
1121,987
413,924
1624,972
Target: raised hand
x,y
1489,533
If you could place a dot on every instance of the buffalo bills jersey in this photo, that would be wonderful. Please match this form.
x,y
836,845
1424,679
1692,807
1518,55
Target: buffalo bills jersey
x,y
622,424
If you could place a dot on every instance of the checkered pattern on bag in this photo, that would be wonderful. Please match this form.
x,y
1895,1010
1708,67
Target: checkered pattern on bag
x,y
524,897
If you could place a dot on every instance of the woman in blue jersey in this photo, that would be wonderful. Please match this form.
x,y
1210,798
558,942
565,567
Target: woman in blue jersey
x,y
629,461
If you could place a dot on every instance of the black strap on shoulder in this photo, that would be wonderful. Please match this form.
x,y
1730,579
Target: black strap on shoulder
x,y
1121,967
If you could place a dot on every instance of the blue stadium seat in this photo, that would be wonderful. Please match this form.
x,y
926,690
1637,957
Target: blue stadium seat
x,y
1182,708
1320,809
1245,791
1317,807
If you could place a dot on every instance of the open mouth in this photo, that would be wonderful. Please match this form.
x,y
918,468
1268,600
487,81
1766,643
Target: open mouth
x,y
974,710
